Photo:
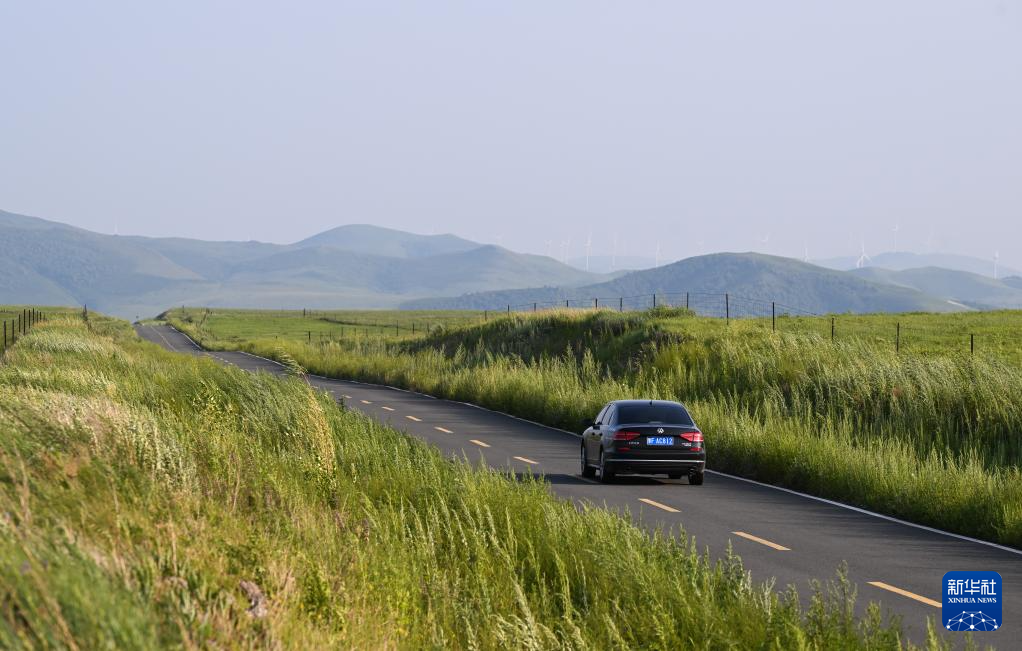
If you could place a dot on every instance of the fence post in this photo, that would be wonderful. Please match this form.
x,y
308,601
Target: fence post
x,y
397,330
567,302
486,315
310,336
621,304
727,308
654,299
773,315
832,329
596,303
509,310
5,334
535,306
686,300
897,339
972,344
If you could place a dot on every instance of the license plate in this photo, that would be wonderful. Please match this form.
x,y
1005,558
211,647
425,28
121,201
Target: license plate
x,y
659,440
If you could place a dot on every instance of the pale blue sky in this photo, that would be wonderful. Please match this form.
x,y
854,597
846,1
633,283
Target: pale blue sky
x,y
704,125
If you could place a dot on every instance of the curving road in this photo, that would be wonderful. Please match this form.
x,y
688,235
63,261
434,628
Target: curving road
x,y
778,533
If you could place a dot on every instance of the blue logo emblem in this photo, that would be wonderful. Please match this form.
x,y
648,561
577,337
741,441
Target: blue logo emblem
x,y
972,601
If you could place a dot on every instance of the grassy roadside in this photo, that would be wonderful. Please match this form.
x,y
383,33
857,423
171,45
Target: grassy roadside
x,y
932,438
156,500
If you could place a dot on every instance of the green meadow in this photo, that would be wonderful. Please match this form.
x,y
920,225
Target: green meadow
x,y
930,432
156,500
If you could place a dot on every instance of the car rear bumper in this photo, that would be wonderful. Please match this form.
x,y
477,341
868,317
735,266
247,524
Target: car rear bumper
x,y
640,465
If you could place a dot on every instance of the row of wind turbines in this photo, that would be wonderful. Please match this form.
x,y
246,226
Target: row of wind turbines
x,y
565,248
864,259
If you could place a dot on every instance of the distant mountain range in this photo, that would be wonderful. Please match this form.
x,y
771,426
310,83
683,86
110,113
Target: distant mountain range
x,y
902,260
763,278
362,266
46,262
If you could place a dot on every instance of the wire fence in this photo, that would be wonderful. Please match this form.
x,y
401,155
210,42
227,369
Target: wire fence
x,y
19,325
723,306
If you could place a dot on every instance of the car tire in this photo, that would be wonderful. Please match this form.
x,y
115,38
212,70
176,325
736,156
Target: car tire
x,y
587,471
695,478
675,475
606,474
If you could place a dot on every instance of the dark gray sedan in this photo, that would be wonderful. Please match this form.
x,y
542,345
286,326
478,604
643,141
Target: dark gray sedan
x,y
646,437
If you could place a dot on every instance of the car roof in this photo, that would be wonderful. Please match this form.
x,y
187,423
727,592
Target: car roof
x,y
647,402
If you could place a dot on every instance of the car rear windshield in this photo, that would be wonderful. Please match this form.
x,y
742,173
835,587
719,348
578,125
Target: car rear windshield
x,y
655,413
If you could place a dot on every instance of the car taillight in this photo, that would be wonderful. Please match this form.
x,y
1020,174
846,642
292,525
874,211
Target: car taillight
x,y
695,438
626,436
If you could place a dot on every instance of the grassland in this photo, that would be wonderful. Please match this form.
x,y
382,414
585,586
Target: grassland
x,y
995,334
149,500
932,433
317,326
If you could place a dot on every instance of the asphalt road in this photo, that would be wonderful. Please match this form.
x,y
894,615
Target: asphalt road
x,y
792,537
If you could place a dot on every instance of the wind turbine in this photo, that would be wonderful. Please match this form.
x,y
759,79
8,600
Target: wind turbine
x,y
548,244
897,227
863,259
765,242
997,257
656,259
589,248
805,258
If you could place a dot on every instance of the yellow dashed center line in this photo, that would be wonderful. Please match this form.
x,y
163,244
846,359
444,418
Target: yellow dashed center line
x,y
366,402
445,431
417,420
905,593
480,443
387,408
762,541
528,461
669,509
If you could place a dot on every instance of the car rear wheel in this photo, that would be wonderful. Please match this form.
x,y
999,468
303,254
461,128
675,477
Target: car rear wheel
x,y
696,478
606,474
587,470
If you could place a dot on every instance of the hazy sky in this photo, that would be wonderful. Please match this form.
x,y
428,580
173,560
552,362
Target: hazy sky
x,y
730,125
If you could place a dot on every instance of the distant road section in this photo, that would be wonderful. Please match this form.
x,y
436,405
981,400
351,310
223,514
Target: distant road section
x,y
778,533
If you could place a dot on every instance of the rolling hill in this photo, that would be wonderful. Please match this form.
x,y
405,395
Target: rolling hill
x,y
46,262
974,290
744,275
374,240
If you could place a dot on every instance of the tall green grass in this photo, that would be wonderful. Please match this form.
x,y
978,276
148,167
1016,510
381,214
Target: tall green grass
x,y
933,438
149,500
